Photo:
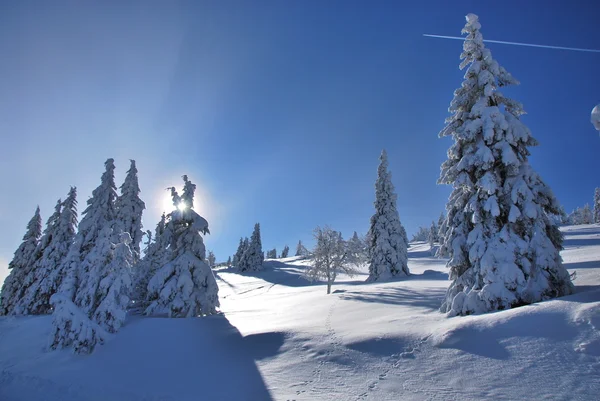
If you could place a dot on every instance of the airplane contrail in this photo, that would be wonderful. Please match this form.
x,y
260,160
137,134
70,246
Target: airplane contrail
x,y
517,43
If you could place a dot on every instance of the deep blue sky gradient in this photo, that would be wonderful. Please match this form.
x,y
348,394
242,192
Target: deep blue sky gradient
x,y
277,110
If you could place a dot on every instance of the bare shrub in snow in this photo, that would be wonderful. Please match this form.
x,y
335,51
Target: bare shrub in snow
x,y
331,256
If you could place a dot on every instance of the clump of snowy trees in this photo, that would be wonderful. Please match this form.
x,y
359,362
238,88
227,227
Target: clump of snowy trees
x,y
585,214
421,235
387,240
249,255
503,245
426,234
581,215
87,275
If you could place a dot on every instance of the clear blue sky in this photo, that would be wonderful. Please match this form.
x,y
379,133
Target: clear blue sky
x,y
278,110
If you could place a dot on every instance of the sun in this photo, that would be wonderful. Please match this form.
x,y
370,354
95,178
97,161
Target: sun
x,y
182,206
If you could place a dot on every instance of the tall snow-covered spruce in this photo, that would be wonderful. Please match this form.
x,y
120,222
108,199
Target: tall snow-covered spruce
x,y
21,265
85,266
96,229
185,286
238,254
387,241
503,247
301,249
129,209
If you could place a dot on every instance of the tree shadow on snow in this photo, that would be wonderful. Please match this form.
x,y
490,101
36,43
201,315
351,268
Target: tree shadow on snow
x,y
420,254
595,229
276,272
580,289
430,298
429,275
591,264
380,346
578,242
181,359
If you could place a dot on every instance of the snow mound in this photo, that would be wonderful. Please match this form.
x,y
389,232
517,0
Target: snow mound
x,y
573,319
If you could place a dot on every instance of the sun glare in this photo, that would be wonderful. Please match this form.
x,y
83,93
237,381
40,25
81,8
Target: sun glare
x,y
182,206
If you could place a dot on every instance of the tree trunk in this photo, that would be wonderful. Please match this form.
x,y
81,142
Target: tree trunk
x,y
328,287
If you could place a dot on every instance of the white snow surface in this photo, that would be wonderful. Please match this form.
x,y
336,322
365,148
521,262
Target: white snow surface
x,y
281,337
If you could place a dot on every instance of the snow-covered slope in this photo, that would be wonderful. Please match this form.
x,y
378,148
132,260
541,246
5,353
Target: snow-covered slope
x,y
282,338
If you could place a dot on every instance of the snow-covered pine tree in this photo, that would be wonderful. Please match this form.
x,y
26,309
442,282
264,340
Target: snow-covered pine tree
x,y
156,255
84,267
597,206
129,208
331,256
388,256
432,239
115,287
440,221
96,230
357,248
253,256
72,327
587,216
29,303
185,286
93,269
21,265
237,257
100,211
575,217
440,235
301,249
211,259
285,252
503,248
229,261
242,264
